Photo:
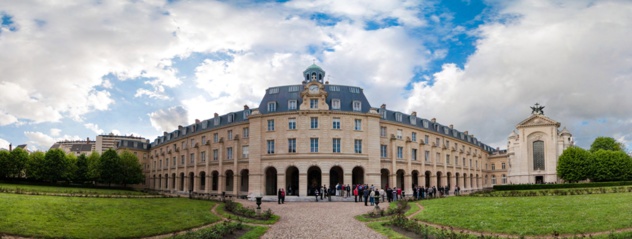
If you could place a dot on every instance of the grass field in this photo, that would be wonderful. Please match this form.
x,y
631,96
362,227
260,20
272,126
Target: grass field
x,y
67,190
76,217
532,215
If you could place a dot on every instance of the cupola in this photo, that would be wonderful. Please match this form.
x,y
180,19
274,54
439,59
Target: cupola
x,y
314,73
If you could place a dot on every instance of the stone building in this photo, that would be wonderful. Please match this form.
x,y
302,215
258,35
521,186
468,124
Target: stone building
x,y
314,133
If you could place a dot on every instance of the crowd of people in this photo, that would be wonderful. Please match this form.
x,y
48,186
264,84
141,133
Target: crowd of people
x,y
369,194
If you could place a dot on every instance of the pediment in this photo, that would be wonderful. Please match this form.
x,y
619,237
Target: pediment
x,y
537,120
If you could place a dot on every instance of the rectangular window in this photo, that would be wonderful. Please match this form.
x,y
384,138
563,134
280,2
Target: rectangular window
x,y
354,90
414,154
358,124
426,138
246,133
203,156
336,145
229,153
427,156
192,158
293,88
447,143
357,105
398,117
382,131
270,125
203,140
215,154
456,159
230,135
399,134
493,166
383,151
335,104
447,159
231,118
291,145
313,103
182,159
357,145
503,165
192,143
291,105
464,162
215,138
313,145
414,137
313,123
271,106
291,123
246,114
336,123
273,90
166,162
438,142
438,158
400,152
244,151
270,146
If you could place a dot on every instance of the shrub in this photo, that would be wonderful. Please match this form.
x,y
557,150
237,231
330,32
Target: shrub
x,y
238,209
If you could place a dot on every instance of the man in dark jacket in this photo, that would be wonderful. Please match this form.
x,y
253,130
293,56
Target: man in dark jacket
x,y
366,197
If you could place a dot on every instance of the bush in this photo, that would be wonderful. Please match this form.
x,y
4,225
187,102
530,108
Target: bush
x,y
559,186
215,232
238,209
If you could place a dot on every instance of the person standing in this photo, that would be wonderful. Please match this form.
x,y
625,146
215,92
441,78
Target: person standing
x,y
348,190
399,193
372,197
279,196
316,194
282,196
389,194
382,193
323,190
395,194
366,196
355,193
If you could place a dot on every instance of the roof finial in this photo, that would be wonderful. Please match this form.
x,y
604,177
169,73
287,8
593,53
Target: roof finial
x,y
537,109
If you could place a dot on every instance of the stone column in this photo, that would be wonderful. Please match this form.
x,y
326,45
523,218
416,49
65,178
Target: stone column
x,y
303,184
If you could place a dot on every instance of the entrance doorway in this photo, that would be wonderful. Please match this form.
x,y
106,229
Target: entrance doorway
x,y
427,179
314,179
357,176
291,179
244,180
271,181
336,176
384,178
539,179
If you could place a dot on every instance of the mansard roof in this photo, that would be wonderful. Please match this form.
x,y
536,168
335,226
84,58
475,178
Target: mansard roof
x,y
281,95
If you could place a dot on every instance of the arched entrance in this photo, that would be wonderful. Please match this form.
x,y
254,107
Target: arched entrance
x,y
191,181
465,180
477,179
230,176
427,179
357,175
384,178
456,179
159,181
314,179
173,181
415,177
336,176
471,181
202,181
439,175
244,180
449,179
291,179
166,181
271,181
181,181
214,180
400,179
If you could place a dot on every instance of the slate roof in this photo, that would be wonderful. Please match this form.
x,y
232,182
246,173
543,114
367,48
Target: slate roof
x,y
282,95
129,144
81,147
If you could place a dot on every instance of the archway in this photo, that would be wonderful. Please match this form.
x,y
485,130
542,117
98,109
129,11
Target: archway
x,y
214,180
244,180
415,177
230,176
271,181
384,173
400,179
456,179
291,179
449,179
191,181
477,179
465,180
181,181
439,175
471,181
357,176
314,179
166,181
202,180
427,179
173,181
336,176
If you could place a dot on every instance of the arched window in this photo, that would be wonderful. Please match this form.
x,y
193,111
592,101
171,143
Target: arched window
x,y
504,179
538,155
493,179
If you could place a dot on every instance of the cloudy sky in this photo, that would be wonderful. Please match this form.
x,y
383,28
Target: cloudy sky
x,y
76,69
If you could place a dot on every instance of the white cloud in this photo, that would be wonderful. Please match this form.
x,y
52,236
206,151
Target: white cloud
x,y
55,132
573,57
169,119
94,127
4,144
42,141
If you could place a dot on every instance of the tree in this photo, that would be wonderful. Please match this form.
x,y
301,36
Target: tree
x,y
35,166
131,169
94,167
5,161
55,165
606,143
71,162
110,167
81,174
19,157
574,164
611,166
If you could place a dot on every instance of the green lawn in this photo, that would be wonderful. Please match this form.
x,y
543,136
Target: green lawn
x,y
67,190
532,215
76,217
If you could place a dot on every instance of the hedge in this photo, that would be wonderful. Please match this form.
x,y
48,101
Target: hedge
x,y
558,186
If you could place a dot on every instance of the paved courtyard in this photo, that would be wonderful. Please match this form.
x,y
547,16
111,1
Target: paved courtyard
x,y
317,220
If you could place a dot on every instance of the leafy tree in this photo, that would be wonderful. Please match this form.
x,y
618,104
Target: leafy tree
x,y
81,174
94,166
606,143
110,167
5,160
131,169
71,161
610,166
55,165
35,166
574,164
19,157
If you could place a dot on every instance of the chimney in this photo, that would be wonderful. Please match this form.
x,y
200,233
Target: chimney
x,y
498,149
216,114
197,121
87,140
383,106
164,133
179,127
434,120
326,82
246,107
10,147
451,126
466,132
414,113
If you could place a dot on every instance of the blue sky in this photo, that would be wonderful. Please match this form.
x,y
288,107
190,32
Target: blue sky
x,y
134,67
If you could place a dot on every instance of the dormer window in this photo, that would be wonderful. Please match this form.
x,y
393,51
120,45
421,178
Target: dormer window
x,y
357,105
246,114
398,117
231,118
273,91
335,104
216,120
382,113
291,105
271,106
413,120
293,89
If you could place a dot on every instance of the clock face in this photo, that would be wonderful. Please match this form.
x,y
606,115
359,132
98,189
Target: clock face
x,y
313,89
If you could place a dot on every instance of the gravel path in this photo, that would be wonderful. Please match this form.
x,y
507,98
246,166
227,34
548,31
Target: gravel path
x,y
317,220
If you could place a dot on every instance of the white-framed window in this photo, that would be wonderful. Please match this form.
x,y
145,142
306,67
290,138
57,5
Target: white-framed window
x,y
182,159
270,144
493,179
291,123
229,153
291,105
336,145
313,145
438,158
313,123
398,117
447,143
246,133
335,104
464,162
438,142
413,120
456,159
271,106
354,90
215,137
336,123
273,90
313,103
447,159
358,124
334,88
357,146
270,125
504,178
399,134
215,154
414,137
426,139
246,114
493,166
203,140
357,105
427,156
400,152
203,156
291,145
382,131
192,158
293,88
231,118
383,151
502,165
244,151
216,120
413,154
230,135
